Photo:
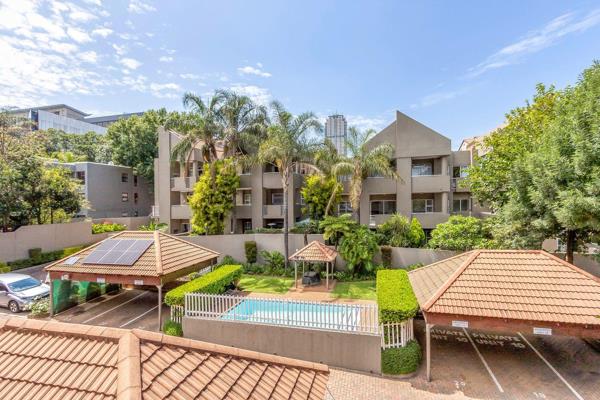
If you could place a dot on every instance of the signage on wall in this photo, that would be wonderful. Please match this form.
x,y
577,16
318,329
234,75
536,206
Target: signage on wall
x,y
460,324
542,331
138,282
100,280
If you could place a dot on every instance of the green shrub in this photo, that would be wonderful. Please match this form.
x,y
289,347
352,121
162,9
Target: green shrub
x,y
414,266
386,256
71,250
43,258
395,297
40,308
265,230
274,260
227,260
214,282
251,251
107,227
357,249
172,328
35,253
401,360
4,269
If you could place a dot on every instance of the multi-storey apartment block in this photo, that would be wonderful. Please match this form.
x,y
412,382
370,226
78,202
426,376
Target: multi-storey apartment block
x,y
429,185
336,130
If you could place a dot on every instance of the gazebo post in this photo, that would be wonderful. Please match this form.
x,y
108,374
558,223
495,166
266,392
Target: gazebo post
x,y
296,274
159,287
327,275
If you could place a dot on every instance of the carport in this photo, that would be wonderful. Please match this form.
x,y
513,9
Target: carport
x,y
133,258
528,291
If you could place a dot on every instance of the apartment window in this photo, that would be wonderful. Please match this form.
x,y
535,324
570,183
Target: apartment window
x,y
246,197
247,225
459,172
135,180
136,214
422,205
383,207
271,168
124,214
344,207
246,169
422,168
80,175
124,197
124,177
135,198
277,198
461,205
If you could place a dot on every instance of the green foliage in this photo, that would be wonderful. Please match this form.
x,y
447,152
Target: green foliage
x,y
265,230
265,284
172,328
309,227
398,231
60,194
401,360
364,290
214,282
460,233
40,308
358,248
417,234
43,258
251,251
395,297
386,256
273,259
335,228
317,193
107,227
212,199
227,260
153,225
35,253
4,268
413,266
70,147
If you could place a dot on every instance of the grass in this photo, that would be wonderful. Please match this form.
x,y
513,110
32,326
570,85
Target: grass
x,y
364,290
265,284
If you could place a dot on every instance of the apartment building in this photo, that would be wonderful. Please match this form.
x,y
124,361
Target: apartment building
x,y
111,191
429,185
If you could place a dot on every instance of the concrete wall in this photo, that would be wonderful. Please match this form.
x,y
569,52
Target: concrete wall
x,y
50,237
338,349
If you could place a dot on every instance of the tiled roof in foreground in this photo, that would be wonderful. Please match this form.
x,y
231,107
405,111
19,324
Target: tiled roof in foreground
x,y
315,252
512,284
53,360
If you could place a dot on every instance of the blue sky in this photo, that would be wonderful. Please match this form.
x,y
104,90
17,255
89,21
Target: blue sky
x,y
458,67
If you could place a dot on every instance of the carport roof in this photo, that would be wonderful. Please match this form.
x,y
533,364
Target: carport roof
x,y
166,255
42,360
524,285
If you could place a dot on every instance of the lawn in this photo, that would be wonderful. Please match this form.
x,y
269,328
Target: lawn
x,y
364,290
265,284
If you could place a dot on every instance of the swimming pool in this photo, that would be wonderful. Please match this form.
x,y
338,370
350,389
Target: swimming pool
x,y
315,315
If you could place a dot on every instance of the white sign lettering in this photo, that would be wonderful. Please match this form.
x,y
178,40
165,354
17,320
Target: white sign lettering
x,y
138,282
460,324
542,331
65,277
100,280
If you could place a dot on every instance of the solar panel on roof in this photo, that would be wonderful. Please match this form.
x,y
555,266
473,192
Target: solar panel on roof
x,y
71,260
118,251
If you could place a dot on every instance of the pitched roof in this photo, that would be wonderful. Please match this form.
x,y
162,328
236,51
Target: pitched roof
x,y
165,255
314,251
53,360
528,285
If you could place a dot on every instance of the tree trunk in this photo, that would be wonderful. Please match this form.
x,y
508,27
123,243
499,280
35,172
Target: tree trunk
x,y
330,202
570,246
51,216
284,181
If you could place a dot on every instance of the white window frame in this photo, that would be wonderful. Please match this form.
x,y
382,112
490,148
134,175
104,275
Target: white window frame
x,y
429,206
273,198
383,206
460,208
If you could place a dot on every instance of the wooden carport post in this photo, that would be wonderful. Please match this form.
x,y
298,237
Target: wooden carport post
x,y
159,287
428,349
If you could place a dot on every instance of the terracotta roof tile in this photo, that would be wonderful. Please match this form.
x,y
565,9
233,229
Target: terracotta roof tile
x,y
527,285
314,252
79,362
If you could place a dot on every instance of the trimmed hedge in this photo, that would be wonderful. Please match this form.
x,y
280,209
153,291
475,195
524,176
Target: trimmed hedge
x,y
251,251
107,227
42,258
395,297
401,360
214,282
172,328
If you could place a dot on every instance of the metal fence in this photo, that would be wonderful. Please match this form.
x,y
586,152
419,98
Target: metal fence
x,y
397,334
354,318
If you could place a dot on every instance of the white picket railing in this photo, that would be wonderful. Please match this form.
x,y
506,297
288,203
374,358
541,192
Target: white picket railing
x,y
177,314
397,334
356,318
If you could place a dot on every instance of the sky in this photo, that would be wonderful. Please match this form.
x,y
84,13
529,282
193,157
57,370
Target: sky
x,y
457,67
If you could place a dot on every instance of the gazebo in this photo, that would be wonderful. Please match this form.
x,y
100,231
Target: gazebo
x,y
314,252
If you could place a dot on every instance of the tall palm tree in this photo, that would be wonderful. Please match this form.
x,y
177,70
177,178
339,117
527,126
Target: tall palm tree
x,y
363,161
326,158
286,145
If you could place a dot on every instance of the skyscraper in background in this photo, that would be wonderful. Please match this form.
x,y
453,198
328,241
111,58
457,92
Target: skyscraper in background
x,y
336,130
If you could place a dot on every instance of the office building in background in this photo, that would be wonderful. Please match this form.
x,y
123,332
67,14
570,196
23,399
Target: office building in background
x,y
336,130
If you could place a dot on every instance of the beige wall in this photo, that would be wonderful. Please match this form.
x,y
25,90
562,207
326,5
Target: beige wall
x,y
50,237
345,350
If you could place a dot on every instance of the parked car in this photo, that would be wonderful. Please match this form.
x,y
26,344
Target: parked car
x,y
19,291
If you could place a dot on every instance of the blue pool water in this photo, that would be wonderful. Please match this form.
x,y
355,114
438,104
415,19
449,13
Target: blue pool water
x,y
290,313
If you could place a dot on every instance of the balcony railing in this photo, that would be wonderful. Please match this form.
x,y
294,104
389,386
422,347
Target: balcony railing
x,y
273,211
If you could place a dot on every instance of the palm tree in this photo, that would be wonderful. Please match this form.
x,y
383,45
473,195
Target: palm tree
x,y
325,159
286,145
364,161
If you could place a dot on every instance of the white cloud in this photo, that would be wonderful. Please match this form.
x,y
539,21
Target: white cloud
x,y
78,35
140,7
165,59
250,70
102,31
438,97
94,2
536,41
363,122
89,56
130,63
257,94
121,50
165,90
189,76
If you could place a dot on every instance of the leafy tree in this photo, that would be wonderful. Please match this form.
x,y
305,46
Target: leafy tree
x,y
11,202
335,228
134,141
153,225
395,231
70,147
211,202
11,127
60,193
318,193
358,248
460,233
362,162
417,234
286,145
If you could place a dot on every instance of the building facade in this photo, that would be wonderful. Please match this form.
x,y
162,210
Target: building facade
x,y
430,185
336,130
111,191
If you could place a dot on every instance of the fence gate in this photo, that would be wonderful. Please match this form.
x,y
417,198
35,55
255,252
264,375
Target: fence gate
x,y
396,334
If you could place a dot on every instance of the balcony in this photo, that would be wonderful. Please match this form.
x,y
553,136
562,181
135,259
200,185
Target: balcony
x,y
155,212
245,181
181,211
430,183
458,185
272,180
243,211
431,219
376,220
181,184
272,211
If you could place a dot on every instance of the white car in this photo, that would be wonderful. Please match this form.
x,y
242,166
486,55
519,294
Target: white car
x,y
19,291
